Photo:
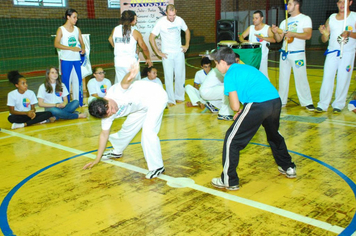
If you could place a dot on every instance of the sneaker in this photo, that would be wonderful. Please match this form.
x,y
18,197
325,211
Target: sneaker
x,y
110,154
336,110
217,182
225,117
310,107
211,107
17,125
155,173
290,173
319,110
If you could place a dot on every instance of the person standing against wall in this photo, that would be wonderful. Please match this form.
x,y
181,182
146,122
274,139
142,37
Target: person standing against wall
x,y
261,33
124,39
334,32
299,29
172,52
70,42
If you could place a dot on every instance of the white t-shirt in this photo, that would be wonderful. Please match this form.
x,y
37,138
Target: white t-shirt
x,y
21,102
262,32
200,76
296,24
70,39
54,97
156,80
336,28
138,96
170,33
100,88
214,78
125,52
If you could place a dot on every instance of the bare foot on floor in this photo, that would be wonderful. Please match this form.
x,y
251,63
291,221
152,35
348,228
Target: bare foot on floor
x,y
83,115
201,105
188,104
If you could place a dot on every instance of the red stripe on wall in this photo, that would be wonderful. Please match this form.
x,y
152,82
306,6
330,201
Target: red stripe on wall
x,y
91,9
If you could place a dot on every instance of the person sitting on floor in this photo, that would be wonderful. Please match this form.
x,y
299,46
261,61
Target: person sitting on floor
x,y
21,103
193,91
99,85
150,74
52,95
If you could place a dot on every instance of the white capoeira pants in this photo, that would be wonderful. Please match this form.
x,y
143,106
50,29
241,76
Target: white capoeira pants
x,y
264,66
215,95
296,61
343,67
194,95
149,120
174,66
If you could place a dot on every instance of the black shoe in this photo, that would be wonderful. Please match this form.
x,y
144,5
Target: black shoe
x,y
336,110
310,107
319,110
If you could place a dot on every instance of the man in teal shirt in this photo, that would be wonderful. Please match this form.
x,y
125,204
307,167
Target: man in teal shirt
x,y
262,106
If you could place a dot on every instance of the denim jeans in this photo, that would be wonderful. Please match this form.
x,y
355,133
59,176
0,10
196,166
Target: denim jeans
x,y
67,112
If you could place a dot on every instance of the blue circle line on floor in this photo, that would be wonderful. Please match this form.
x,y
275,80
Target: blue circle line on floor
x,y
5,227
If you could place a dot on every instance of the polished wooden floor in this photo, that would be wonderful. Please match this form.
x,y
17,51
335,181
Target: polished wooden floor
x,y
44,191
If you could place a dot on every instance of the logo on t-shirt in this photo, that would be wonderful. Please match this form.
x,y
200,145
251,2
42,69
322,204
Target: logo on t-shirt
x,y
299,63
26,102
59,94
348,68
258,39
72,42
103,88
349,28
293,26
125,40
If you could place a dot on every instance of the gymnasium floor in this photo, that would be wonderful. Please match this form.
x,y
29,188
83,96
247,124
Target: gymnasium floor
x,y
44,190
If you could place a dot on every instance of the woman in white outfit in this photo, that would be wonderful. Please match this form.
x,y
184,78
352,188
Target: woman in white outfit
x,y
124,39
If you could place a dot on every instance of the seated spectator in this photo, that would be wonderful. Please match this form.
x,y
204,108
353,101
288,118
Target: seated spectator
x,y
212,90
52,95
99,85
150,74
193,91
21,103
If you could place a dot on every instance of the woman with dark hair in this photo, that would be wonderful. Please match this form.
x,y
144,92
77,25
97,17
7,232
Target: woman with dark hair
x,y
150,74
124,39
21,103
52,95
71,46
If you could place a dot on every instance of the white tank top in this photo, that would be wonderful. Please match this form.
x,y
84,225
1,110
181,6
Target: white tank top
x,y
125,52
70,39
253,39
336,28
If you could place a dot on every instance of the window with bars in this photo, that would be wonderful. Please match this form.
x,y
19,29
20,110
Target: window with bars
x,y
113,3
41,3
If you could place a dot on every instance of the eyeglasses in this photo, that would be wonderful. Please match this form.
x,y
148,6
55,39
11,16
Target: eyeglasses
x,y
101,73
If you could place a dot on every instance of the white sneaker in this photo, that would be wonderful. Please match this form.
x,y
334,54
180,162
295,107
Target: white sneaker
x,y
110,154
155,173
289,173
217,182
17,125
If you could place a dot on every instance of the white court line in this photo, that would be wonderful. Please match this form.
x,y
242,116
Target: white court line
x,y
344,123
258,205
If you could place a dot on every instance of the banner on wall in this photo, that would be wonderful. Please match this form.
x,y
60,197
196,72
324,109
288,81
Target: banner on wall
x,y
148,12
